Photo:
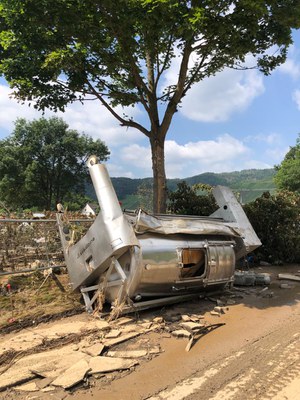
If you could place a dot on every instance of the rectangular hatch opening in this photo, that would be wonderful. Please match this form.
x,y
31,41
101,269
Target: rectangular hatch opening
x,y
193,263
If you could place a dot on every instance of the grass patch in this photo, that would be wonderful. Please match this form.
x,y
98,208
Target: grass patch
x,y
33,295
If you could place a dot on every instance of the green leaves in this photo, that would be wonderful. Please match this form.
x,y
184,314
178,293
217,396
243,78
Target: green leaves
x,y
276,221
288,172
45,161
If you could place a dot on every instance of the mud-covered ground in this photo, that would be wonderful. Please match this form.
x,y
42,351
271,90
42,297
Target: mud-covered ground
x,y
255,355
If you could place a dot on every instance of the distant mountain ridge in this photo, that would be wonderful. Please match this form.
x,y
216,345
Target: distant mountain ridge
x,y
251,183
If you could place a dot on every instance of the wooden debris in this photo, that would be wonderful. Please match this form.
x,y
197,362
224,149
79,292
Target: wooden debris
x,y
201,332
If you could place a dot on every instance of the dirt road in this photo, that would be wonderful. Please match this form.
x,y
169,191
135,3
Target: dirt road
x,y
256,355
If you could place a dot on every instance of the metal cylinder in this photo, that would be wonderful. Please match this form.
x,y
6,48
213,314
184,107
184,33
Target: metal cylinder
x,y
107,198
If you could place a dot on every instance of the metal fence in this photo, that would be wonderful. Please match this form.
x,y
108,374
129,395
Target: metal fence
x,y
28,244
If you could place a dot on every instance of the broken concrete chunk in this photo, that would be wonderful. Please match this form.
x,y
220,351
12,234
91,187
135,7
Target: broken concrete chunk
x,y
127,354
285,286
219,310
54,367
114,333
120,339
48,389
52,360
290,277
215,313
146,325
42,383
101,324
230,302
191,326
185,318
108,364
94,350
123,321
72,375
196,317
154,350
27,387
181,333
158,320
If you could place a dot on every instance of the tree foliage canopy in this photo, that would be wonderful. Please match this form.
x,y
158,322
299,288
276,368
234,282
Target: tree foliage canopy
x,y
276,221
186,201
43,162
288,172
59,51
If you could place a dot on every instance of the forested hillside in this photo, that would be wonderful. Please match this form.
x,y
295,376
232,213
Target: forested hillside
x,y
250,183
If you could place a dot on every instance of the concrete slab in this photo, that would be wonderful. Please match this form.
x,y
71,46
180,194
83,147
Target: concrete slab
x,y
55,367
108,364
94,350
181,333
27,387
72,375
191,326
128,353
114,333
42,383
120,339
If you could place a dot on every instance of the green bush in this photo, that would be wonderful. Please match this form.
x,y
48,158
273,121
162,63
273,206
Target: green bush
x,y
276,221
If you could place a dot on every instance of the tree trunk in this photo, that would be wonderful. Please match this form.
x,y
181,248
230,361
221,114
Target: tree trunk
x,y
159,175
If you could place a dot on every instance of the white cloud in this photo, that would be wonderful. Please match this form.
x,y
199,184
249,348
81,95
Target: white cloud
x,y
277,154
296,98
270,139
118,170
215,99
256,164
291,68
138,156
188,159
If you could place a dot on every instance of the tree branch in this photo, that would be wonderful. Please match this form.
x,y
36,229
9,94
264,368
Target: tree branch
x,y
123,121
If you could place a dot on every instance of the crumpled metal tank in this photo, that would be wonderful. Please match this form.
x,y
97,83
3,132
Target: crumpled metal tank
x,y
129,257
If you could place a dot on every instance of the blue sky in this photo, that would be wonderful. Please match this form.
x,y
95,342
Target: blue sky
x,y
233,121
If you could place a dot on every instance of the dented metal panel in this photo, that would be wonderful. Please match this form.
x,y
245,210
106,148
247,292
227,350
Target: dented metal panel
x,y
130,257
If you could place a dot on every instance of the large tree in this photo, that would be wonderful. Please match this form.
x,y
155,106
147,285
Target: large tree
x,y
43,161
57,51
288,172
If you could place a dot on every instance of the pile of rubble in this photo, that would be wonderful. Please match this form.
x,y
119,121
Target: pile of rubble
x,y
69,353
